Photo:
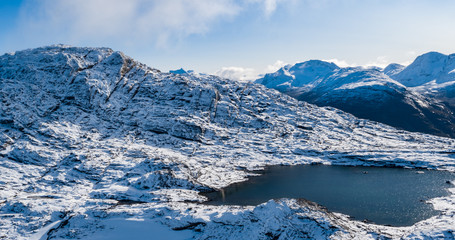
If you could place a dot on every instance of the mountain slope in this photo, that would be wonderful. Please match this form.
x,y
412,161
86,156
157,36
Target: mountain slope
x,y
393,69
433,75
298,75
366,93
432,66
89,136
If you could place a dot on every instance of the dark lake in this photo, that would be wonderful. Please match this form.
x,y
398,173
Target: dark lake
x,y
387,196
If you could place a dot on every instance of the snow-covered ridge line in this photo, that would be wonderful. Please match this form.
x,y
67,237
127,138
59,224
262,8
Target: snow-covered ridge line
x,y
416,98
89,134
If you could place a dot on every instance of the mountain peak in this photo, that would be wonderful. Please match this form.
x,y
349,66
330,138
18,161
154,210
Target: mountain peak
x,y
181,71
298,75
428,67
56,48
314,64
431,55
393,69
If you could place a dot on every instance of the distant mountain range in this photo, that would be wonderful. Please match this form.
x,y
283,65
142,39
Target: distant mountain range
x,y
419,97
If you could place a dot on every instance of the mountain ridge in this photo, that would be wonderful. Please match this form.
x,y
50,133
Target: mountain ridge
x,y
376,94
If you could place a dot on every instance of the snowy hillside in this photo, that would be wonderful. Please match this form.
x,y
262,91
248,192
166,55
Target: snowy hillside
x,y
96,144
366,93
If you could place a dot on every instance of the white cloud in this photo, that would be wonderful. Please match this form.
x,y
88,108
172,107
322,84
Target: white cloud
x,y
274,67
270,6
381,61
340,63
411,55
248,74
133,21
152,23
238,73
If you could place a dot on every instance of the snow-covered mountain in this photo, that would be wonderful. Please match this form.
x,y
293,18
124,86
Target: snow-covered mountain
x,y
393,69
305,75
93,142
366,93
431,74
430,67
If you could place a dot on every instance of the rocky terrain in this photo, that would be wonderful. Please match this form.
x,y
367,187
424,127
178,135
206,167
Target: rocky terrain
x,y
92,140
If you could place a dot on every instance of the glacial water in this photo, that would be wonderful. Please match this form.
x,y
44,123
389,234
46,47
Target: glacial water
x,y
387,196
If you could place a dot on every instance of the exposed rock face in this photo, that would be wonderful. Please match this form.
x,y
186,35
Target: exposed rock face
x,y
88,134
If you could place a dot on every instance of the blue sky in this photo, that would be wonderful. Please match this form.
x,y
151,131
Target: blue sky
x,y
232,37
